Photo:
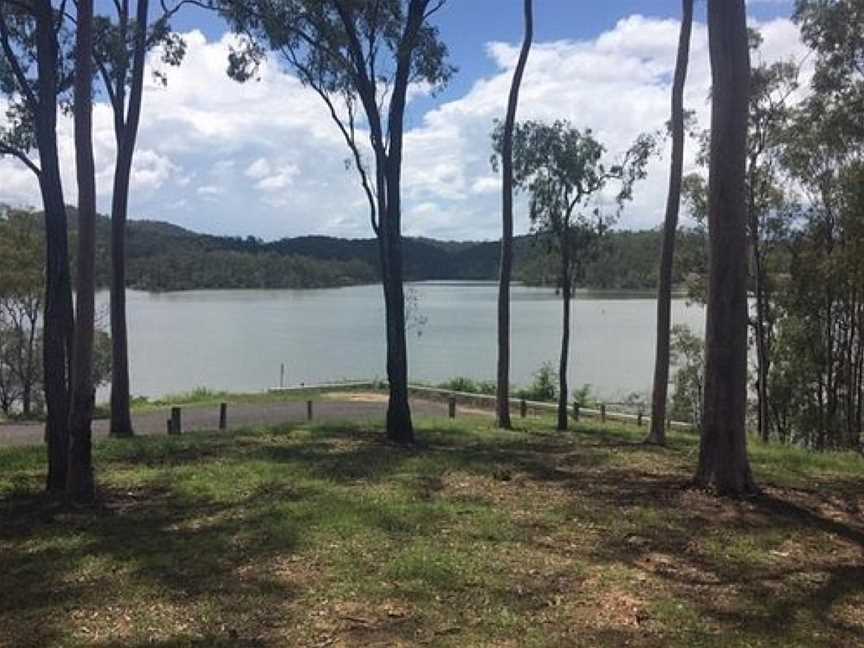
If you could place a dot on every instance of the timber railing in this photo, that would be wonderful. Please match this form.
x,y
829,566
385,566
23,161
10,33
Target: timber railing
x,y
488,401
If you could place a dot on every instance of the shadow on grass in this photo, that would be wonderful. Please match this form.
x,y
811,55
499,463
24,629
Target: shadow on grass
x,y
191,549
724,559
589,472
360,454
137,548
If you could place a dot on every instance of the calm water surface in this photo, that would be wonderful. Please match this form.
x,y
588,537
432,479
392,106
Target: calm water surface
x,y
237,339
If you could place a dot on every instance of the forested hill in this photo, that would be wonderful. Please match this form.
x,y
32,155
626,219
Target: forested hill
x,y
165,257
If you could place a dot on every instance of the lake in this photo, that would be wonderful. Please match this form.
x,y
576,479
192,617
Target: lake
x,y
236,340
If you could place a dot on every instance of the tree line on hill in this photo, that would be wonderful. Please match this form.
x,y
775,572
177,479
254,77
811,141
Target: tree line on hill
x,y
165,257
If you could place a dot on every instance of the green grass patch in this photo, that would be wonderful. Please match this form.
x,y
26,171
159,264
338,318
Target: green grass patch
x,y
313,535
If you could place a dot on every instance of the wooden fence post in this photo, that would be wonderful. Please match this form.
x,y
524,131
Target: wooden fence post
x,y
602,412
176,421
523,408
639,419
223,416
451,407
308,410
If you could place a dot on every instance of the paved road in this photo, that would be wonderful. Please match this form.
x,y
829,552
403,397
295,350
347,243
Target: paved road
x,y
354,408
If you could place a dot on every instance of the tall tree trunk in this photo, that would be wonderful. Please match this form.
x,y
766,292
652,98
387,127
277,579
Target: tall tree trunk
x,y
760,330
58,313
79,478
857,386
759,324
121,418
29,368
126,135
563,390
502,392
399,425
673,203
723,461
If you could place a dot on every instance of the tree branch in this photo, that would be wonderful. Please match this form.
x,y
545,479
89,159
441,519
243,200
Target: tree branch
x,y
15,65
434,9
365,85
20,155
347,132
106,80
167,13
133,117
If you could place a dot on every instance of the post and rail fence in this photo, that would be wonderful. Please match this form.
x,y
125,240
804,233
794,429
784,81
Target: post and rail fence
x,y
523,406
174,424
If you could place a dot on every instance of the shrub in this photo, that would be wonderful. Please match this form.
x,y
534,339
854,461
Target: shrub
x,y
544,387
469,385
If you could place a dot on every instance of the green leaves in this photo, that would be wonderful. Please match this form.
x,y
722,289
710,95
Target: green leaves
x,y
313,40
115,42
563,169
18,76
22,251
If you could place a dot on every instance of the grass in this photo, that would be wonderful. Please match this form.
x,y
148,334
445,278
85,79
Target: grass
x,y
327,536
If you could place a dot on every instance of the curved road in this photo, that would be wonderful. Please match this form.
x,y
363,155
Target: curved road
x,y
341,407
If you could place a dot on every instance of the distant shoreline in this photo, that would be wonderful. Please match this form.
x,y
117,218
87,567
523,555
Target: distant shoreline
x,y
677,293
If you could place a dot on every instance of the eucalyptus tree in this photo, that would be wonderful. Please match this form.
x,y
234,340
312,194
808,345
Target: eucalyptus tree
x,y
79,476
35,77
563,170
506,266
122,42
657,433
358,55
723,460
768,205
770,212
817,378
22,288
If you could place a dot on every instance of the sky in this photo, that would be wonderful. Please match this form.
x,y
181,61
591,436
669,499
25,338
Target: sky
x,y
264,158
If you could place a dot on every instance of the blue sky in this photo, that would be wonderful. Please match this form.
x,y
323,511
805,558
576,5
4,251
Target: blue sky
x,y
264,159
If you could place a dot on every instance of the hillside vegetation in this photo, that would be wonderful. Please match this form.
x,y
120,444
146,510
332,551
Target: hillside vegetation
x,y
165,257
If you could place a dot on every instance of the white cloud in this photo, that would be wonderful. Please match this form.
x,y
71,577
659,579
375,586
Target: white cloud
x,y
260,168
264,158
617,84
150,170
283,178
486,184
